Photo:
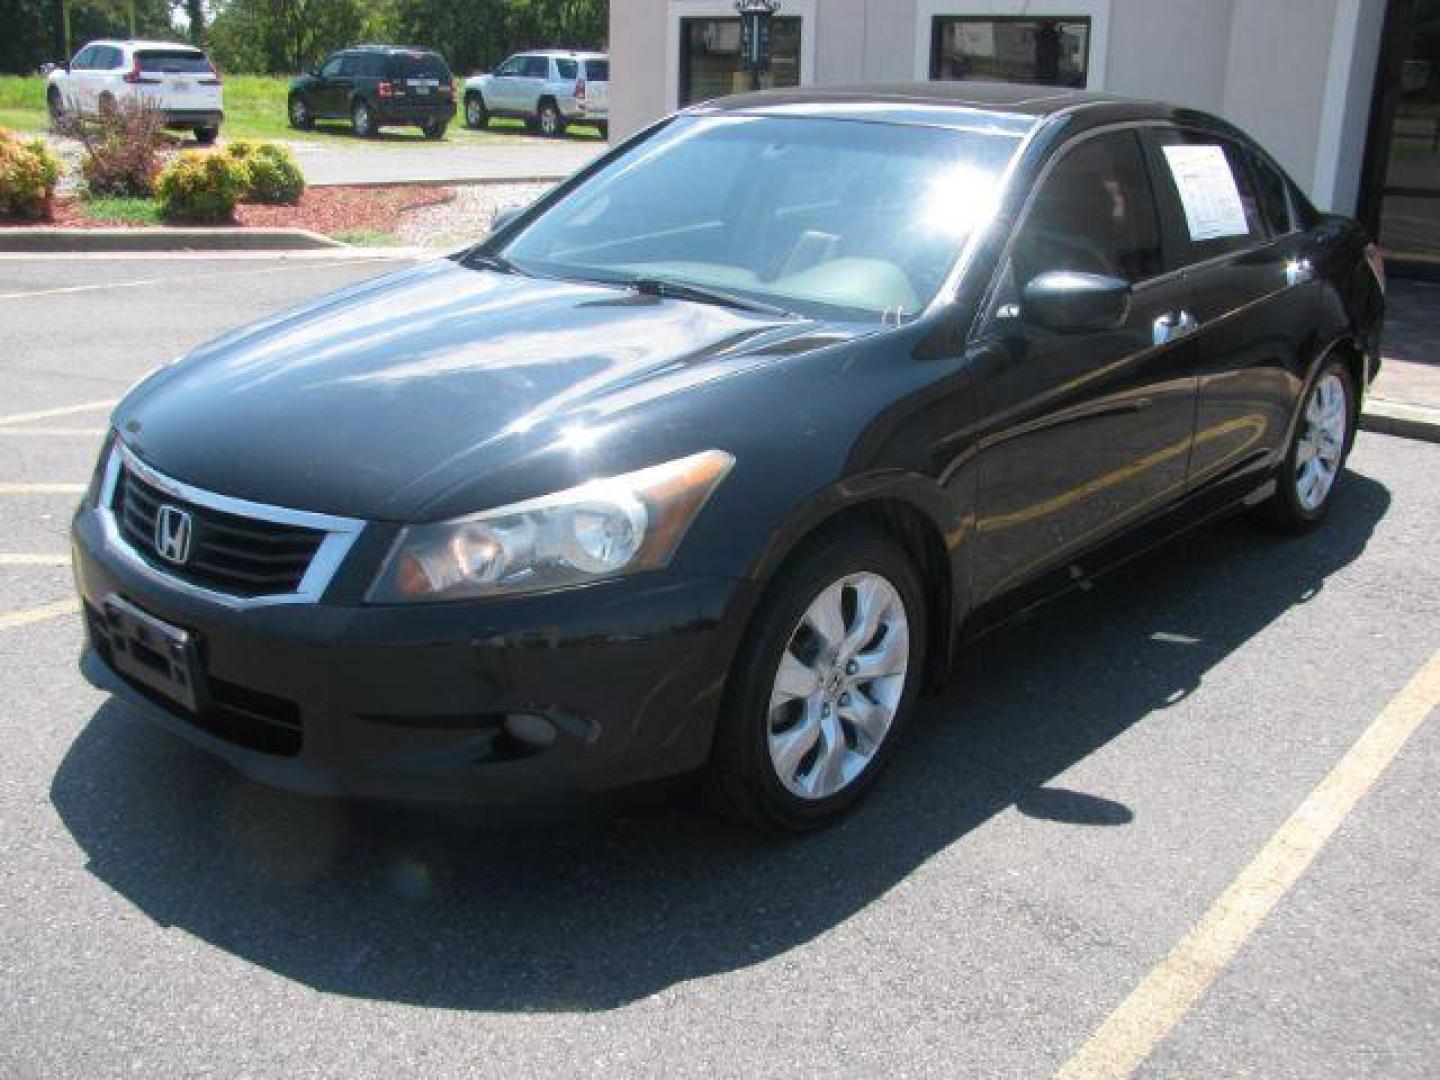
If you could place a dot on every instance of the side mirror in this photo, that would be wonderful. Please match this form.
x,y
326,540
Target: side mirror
x,y
1070,302
504,216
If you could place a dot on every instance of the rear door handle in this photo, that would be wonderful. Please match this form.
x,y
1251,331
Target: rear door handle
x,y
1174,325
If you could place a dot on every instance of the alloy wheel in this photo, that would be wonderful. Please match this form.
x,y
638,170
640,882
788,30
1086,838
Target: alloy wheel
x,y
838,685
1322,442
549,121
298,113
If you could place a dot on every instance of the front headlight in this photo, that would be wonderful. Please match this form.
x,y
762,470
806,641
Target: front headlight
x,y
603,528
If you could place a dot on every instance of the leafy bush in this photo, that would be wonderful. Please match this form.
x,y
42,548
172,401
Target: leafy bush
x,y
274,176
202,186
28,175
122,149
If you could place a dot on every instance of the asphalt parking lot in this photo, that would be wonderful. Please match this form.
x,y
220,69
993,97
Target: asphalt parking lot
x,y
1093,822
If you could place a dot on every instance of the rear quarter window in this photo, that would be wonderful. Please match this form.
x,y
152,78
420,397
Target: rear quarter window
x,y
597,70
1274,195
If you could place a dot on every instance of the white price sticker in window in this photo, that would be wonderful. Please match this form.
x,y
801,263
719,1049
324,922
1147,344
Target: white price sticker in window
x,y
1207,190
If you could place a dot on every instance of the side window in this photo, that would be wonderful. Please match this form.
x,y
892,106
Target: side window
x,y
83,59
111,58
1274,195
537,67
1205,178
511,66
1095,214
332,67
567,69
352,65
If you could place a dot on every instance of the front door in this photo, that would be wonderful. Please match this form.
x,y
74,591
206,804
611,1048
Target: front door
x,y
1088,432
328,98
502,95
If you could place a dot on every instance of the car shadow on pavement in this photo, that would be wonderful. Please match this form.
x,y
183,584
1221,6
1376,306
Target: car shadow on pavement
x,y
410,907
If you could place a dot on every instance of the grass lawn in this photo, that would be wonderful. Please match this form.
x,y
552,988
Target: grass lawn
x,y
132,211
255,109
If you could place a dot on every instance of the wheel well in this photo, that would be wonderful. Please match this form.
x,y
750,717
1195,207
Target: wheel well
x,y
547,99
924,542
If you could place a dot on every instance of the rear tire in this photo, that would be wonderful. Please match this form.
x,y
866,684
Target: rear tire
x,y
433,129
56,104
363,120
604,128
477,116
548,120
798,695
206,136
1306,482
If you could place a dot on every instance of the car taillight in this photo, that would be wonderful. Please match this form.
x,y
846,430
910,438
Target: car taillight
x,y
213,79
135,75
385,89
1376,258
580,90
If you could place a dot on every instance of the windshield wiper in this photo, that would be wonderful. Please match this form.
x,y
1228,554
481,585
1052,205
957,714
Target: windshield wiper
x,y
490,261
677,290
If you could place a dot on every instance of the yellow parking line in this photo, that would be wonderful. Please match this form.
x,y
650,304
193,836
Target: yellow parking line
x,y
46,414
42,489
51,431
28,559
12,619
1129,1035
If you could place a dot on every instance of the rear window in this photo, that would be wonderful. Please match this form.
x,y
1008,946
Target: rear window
x,y
568,69
419,66
174,62
597,70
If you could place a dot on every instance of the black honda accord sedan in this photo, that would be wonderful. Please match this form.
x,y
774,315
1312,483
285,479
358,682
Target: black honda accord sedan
x,y
713,459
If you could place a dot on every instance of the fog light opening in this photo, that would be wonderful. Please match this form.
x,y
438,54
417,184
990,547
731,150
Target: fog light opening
x,y
533,732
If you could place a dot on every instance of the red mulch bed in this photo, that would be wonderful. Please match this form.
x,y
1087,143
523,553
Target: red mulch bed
x,y
327,210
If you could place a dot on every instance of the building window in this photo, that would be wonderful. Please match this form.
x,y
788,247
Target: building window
x,y
1050,50
710,64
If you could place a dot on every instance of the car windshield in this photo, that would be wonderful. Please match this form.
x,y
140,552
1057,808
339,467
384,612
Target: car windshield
x,y
833,218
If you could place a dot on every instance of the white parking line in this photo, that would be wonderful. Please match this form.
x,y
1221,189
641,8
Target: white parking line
x,y
51,431
42,489
65,290
10,620
62,410
1128,1036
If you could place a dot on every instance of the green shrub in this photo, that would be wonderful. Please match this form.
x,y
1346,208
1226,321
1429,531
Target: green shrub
x,y
199,186
28,175
274,176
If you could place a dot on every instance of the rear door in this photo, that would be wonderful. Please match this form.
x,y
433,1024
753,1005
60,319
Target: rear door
x,y
597,88
1252,292
1087,433
186,80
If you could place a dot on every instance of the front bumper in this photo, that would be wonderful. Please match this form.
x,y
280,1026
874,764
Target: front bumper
x,y
417,702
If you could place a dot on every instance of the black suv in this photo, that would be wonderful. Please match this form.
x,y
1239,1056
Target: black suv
x,y
376,86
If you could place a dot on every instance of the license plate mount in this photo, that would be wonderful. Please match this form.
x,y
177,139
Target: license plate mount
x,y
153,652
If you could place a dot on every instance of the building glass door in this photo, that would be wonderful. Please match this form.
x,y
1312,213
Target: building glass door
x,y
1402,201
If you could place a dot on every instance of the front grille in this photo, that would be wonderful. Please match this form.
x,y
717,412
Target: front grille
x,y
241,556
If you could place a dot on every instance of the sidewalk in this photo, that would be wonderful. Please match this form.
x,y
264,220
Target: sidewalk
x,y
538,159
1405,399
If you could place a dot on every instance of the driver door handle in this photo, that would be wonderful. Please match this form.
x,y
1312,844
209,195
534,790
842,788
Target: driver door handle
x,y
1174,325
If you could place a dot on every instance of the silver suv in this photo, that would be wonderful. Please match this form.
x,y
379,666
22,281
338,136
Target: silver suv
x,y
549,90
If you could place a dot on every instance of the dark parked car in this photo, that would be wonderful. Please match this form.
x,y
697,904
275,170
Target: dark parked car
x,y
375,86
718,455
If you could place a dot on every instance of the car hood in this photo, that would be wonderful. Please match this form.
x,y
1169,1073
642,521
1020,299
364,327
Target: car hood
x,y
377,401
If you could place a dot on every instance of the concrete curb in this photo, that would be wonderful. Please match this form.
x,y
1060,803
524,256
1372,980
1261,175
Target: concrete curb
x,y
443,181
1408,421
163,239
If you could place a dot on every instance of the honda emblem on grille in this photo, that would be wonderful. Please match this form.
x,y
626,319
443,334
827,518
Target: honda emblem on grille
x,y
173,529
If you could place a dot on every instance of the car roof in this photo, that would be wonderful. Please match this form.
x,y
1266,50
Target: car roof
x,y
565,54
143,44
949,104
413,50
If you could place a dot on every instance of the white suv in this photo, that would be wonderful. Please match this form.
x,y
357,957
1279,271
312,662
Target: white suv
x,y
549,89
177,80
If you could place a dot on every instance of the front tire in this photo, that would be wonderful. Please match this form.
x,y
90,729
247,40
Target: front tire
x,y
301,119
56,104
823,685
477,116
363,120
206,135
1305,485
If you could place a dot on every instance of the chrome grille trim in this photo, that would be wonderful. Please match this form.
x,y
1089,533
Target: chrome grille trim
x,y
340,533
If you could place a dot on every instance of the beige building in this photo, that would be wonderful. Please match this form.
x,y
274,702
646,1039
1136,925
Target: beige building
x,y
1340,91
